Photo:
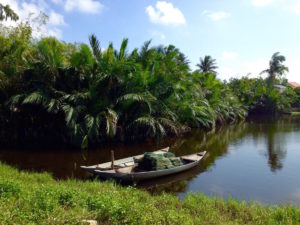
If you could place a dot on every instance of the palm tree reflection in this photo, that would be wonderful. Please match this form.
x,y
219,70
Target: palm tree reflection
x,y
275,141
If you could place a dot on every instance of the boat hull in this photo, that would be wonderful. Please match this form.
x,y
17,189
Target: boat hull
x,y
144,175
124,168
119,162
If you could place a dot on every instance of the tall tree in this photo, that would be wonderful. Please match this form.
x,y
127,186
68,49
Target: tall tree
x,y
208,64
6,12
276,67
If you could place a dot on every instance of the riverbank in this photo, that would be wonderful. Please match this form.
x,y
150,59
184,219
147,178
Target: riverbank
x,y
36,198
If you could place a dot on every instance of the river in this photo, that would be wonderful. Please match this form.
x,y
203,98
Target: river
x,y
257,160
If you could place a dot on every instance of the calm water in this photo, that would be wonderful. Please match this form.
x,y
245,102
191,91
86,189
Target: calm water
x,y
258,160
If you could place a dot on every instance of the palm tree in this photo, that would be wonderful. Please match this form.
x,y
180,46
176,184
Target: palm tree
x,y
83,95
6,12
208,64
276,67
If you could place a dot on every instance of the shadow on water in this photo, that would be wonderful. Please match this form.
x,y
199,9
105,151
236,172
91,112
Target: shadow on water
x,y
259,141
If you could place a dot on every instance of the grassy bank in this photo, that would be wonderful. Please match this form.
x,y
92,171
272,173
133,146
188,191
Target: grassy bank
x,y
36,198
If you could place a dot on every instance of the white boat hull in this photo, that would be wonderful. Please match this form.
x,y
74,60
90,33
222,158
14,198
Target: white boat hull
x,y
144,175
104,170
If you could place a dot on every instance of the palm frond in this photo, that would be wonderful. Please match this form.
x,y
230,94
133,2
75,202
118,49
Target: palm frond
x,y
72,113
145,97
122,53
161,132
15,101
54,106
144,121
169,124
95,45
78,98
93,125
111,119
36,98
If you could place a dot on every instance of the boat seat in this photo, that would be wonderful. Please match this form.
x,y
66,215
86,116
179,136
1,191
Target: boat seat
x,y
102,168
202,153
128,169
129,163
194,157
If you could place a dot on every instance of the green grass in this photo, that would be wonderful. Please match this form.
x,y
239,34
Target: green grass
x,y
295,113
36,198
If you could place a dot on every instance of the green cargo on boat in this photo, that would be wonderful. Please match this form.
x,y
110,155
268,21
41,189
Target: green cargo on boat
x,y
152,161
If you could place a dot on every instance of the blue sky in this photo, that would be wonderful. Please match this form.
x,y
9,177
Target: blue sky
x,y
241,34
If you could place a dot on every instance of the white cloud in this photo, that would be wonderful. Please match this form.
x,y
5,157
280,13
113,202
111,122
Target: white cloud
x,y
158,34
56,18
216,16
251,68
261,3
255,67
55,32
165,13
85,6
229,55
30,11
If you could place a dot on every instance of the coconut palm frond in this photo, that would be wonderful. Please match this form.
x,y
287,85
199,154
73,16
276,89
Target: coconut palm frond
x,y
145,97
161,132
276,67
77,98
144,121
15,101
169,124
36,98
6,12
93,125
123,49
95,45
54,106
207,64
111,120
72,113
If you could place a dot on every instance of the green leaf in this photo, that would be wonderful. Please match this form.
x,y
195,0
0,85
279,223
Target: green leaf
x,y
85,142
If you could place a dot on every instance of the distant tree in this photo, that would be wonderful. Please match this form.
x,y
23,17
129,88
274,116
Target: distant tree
x,y
276,67
208,64
6,12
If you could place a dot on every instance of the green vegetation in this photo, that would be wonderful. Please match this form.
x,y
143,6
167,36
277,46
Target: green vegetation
x,y
58,93
207,64
276,68
32,198
7,13
262,95
53,92
295,113
297,98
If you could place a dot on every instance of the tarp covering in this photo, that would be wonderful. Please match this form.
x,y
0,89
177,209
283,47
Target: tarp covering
x,y
152,161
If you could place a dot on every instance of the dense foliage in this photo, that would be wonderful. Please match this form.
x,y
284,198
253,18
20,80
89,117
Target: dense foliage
x,y
33,198
260,97
270,95
79,94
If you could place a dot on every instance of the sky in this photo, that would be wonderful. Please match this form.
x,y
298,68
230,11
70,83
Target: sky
x,y
241,35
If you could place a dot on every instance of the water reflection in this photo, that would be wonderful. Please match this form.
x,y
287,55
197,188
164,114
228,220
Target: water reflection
x,y
256,160
216,144
275,152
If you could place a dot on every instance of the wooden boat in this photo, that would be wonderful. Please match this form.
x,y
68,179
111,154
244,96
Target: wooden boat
x,y
124,169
